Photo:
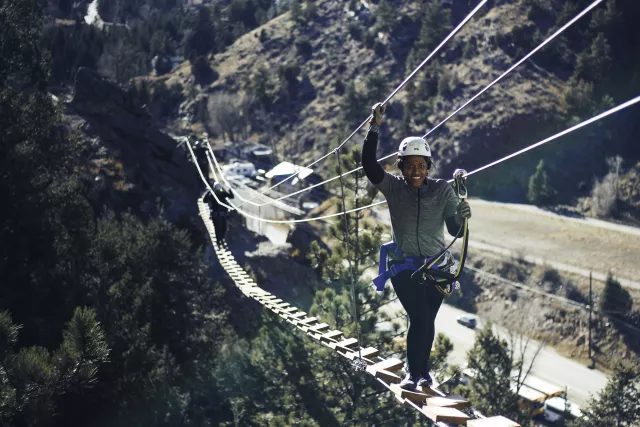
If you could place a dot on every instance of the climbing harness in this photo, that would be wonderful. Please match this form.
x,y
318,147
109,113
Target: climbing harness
x,y
441,270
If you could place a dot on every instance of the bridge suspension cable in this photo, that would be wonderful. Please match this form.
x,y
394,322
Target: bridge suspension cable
x,y
503,75
528,148
396,90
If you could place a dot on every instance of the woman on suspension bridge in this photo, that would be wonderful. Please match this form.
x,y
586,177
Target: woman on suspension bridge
x,y
219,213
419,207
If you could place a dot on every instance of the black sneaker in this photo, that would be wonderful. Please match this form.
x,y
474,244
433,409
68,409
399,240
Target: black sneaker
x,y
408,383
425,381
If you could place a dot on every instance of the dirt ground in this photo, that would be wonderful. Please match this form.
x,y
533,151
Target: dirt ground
x,y
586,244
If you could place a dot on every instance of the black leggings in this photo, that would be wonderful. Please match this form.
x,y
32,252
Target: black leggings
x,y
421,302
220,227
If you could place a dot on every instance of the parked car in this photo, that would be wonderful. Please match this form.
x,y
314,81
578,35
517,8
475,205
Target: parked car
x,y
468,321
557,410
240,168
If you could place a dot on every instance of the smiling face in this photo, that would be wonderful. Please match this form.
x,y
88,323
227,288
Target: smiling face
x,y
414,170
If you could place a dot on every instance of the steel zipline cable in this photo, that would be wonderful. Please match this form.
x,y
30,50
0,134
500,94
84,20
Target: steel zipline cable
x,y
528,148
397,89
503,75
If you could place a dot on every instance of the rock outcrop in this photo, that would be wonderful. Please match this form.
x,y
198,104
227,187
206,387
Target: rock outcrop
x,y
133,165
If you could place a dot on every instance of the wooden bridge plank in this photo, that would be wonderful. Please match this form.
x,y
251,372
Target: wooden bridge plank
x,y
456,402
319,327
331,336
367,353
354,355
387,376
309,321
414,396
391,364
447,415
346,345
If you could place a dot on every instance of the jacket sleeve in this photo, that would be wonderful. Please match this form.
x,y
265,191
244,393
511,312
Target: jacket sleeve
x,y
372,169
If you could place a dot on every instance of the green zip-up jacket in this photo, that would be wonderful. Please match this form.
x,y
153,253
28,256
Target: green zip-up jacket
x,y
418,216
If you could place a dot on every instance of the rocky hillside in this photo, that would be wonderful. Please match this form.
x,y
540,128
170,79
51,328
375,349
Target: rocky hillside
x,y
131,164
560,325
302,84
334,58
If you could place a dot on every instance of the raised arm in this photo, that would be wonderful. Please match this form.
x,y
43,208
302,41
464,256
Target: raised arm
x,y
372,169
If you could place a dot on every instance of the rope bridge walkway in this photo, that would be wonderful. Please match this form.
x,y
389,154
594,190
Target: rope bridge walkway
x,y
431,402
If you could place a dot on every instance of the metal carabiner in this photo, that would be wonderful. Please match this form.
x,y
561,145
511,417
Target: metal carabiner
x,y
459,180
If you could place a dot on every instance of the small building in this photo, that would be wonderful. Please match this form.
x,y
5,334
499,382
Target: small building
x,y
283,170
246,169
305,177
258,154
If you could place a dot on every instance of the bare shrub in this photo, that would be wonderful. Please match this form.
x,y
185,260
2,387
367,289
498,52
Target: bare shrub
x,y
227,115
604,196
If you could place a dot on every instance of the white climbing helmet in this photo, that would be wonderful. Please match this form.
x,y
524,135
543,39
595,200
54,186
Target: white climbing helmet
x,y
217,186
414,146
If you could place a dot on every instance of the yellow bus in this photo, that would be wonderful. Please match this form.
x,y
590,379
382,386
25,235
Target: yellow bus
x,y
544,387
530,400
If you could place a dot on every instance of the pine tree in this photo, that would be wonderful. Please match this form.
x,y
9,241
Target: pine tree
x,y
436,23
490,388
605,20
32,379
384,17
261,86
310,12
578,97
442,347
593,64
618,404
601,60
409,110
296,11
615,300
540,192
376,86
352,107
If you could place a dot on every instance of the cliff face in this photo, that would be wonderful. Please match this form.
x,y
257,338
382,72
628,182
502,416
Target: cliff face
x,y
131,163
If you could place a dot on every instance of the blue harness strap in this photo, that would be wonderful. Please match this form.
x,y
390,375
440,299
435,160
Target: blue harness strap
x,y
384,273
408,263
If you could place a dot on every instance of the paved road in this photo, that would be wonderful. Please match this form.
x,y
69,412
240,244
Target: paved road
x,y
549,366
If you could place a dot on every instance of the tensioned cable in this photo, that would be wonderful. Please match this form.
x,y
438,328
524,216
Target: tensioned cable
x,y
564,132
503,75
540,46
362,364
210,156
537,144
248,215
413,73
